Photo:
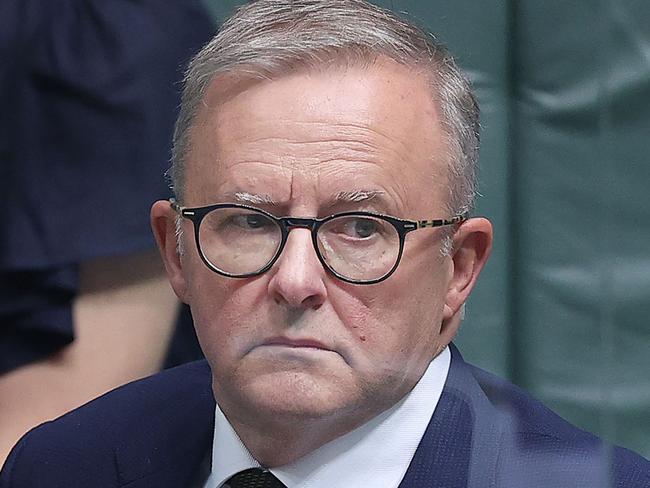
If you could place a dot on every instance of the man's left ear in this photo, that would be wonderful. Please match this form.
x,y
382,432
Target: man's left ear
x,y
472,244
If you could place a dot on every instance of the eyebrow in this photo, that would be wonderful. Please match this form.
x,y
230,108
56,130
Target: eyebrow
x,y
357,196
251,198
341,198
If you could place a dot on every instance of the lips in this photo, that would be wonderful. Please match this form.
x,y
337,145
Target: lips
x,y
296,343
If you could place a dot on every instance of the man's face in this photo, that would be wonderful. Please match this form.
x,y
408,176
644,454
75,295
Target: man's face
x,y
296,342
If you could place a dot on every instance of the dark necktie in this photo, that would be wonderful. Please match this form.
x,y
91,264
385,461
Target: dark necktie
x,y
254,478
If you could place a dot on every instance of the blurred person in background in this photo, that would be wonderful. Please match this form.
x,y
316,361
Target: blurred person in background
x,y
89,91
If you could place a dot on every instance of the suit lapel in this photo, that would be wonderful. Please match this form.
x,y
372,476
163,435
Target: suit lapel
x,y
459,447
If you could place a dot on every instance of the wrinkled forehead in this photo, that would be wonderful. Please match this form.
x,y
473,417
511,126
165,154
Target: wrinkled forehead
x,y
382,112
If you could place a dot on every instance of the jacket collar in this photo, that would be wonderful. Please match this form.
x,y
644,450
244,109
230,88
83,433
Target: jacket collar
x,y
458,448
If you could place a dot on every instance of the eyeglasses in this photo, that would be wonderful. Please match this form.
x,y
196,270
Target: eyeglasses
x,y
239,241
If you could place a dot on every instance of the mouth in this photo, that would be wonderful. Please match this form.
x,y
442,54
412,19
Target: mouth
x,y
304,350
286,342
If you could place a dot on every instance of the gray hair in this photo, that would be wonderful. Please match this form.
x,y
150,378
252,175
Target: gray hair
x,y
268,38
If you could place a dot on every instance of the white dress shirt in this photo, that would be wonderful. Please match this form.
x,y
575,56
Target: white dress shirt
x,y
375,454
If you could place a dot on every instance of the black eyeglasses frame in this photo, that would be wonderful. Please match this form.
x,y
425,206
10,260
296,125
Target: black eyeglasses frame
x,y
286,224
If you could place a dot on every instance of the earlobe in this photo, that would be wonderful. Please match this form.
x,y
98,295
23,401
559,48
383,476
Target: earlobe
x,y
472,246
163,225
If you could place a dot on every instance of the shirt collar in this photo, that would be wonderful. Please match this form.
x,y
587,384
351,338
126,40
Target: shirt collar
x,y
375,454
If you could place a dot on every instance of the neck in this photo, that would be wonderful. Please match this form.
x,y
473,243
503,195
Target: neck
x,y
287,438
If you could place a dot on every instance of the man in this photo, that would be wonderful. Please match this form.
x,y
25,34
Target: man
x,y
324,171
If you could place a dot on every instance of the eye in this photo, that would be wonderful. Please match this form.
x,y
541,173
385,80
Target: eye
x,y
363,228
356,227
251,221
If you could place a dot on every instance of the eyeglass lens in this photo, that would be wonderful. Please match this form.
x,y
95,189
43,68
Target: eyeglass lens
x,y
241,241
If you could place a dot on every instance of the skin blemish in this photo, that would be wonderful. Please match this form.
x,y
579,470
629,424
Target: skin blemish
x,y
362,338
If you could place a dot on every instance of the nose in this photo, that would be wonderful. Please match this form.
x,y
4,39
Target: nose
x,y
298,278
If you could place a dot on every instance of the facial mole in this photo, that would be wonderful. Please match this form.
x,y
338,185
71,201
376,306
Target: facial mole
x,y
362,338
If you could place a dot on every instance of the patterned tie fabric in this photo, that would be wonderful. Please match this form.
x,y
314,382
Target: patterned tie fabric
x,y
254,478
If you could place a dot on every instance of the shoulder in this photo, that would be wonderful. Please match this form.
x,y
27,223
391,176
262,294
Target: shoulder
x,y
536,444
102,439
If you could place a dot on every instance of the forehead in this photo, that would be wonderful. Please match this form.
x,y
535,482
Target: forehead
x,y
312,134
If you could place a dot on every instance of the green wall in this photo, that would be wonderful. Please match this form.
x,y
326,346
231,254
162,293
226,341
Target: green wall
x,y
562,308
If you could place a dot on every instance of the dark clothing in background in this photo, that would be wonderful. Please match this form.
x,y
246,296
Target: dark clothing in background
x,y
89,91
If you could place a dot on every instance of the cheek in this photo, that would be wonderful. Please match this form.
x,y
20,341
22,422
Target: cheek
x,y
399,320
225,314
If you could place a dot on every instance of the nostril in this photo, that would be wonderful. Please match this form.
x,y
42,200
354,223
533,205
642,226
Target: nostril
x,y
312,302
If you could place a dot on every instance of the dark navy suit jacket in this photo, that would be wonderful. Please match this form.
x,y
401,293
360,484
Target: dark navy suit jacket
x,y
157,432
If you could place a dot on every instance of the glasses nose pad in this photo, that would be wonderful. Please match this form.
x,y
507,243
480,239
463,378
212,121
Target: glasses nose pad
x,y
293,233
296,223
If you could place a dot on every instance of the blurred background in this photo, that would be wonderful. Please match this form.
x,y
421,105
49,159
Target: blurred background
x,y
90,89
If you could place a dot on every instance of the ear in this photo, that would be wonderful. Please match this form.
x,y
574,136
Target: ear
x,y
472,244
163,224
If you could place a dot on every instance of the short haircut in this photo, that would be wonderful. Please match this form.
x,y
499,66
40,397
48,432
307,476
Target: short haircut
x,y
267,39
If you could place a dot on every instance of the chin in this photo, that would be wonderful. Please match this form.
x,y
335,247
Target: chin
x,y
296,394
